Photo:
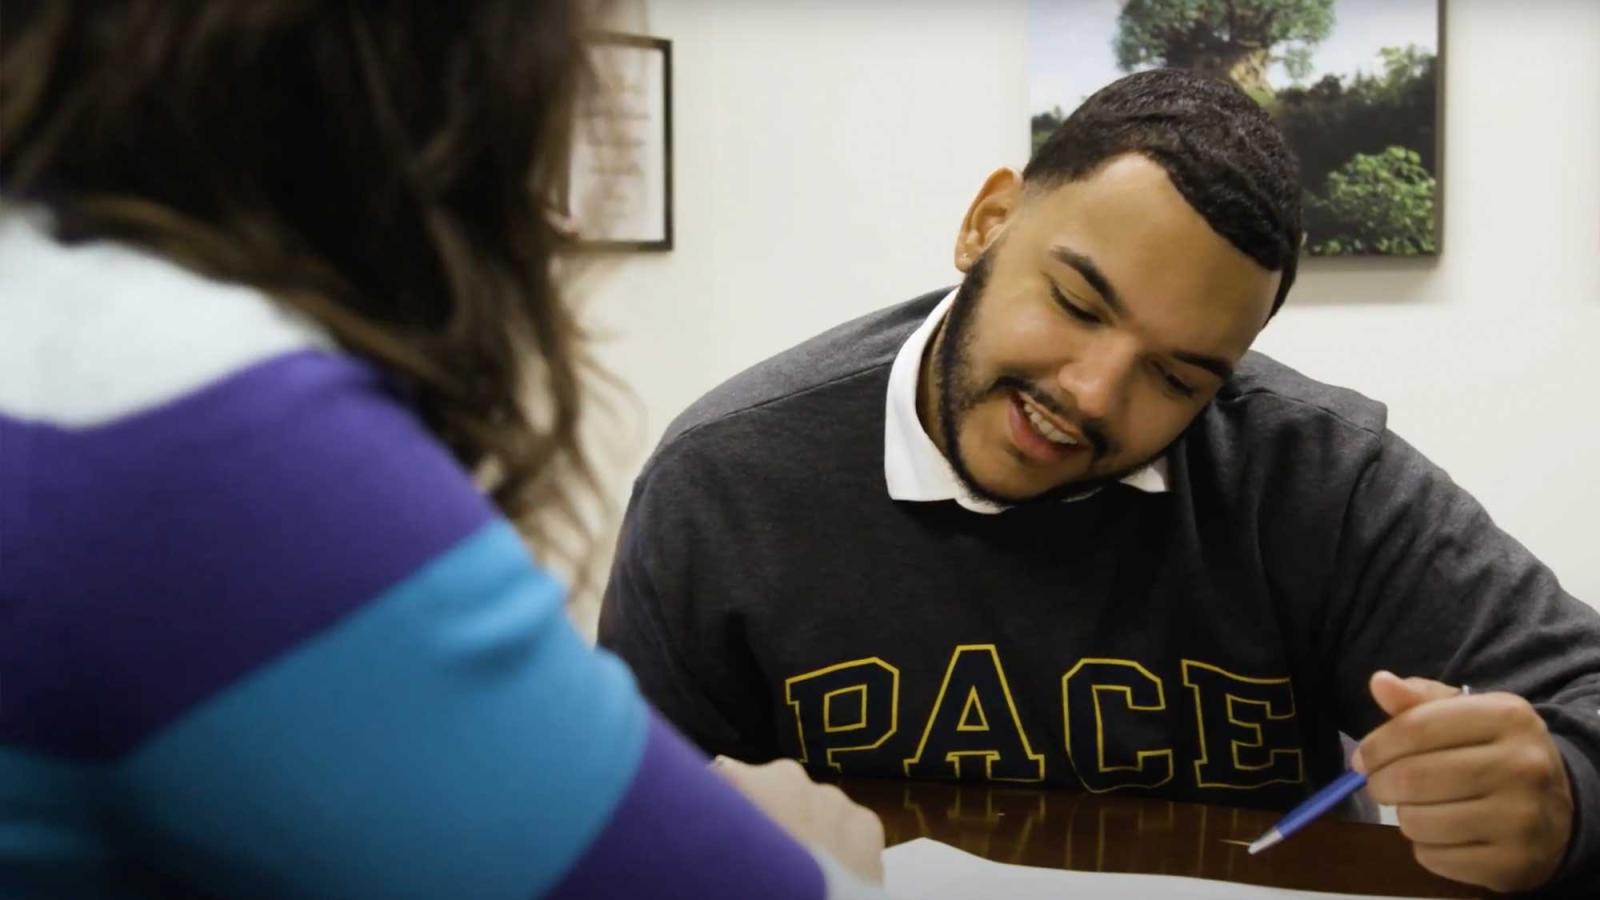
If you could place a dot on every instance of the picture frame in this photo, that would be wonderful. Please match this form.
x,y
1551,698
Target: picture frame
x,y
1356,87
618,191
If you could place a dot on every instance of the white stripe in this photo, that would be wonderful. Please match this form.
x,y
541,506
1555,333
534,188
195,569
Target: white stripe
x,y
95,332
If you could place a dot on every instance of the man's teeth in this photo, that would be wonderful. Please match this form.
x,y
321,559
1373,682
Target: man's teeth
x,y
1051,433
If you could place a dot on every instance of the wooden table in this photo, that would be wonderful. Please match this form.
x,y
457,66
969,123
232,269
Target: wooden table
x,y
1119,832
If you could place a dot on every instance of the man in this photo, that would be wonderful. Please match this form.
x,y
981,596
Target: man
x,y
1059,526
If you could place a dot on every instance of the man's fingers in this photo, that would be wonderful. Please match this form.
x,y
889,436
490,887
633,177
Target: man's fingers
x,y
1392,694
1480,788
1395,695
1464,822
1469,863
1438,725
1499,867
1442,776
1432,690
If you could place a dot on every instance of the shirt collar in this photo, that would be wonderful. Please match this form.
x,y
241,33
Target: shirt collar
x,y
913,467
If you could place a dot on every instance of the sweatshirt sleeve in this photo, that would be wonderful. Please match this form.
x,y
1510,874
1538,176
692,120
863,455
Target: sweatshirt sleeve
x,y
1426,584
684,648
303,656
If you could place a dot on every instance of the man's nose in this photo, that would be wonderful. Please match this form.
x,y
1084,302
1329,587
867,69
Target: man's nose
x,y
1097,380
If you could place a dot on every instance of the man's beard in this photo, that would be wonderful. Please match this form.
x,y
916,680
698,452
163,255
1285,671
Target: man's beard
x,y
959,393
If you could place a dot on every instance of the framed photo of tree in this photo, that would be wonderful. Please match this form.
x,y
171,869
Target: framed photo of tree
x,y
1354,84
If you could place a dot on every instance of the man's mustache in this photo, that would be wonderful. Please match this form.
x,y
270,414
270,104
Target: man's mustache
x,y
1092,429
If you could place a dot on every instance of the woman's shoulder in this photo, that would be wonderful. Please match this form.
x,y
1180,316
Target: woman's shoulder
x,y
95,332
191,482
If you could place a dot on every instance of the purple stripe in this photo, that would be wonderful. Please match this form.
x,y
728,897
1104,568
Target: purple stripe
x,y
150,562
681,831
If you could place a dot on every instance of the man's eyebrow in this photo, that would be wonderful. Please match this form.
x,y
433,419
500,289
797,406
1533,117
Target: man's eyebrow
x,y
1092,274
1097,280
1212,364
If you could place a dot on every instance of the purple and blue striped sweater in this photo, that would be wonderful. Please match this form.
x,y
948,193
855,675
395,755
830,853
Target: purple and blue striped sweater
x,y
261,636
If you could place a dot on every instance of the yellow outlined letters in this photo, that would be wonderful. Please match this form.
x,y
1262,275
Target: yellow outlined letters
x,y
1280,762
1141,691
811,695
975,676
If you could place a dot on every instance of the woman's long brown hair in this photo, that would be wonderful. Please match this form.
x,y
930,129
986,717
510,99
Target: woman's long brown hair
x,y
381,167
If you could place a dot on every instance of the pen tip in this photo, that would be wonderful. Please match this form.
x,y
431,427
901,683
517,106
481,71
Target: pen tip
x,y
1265,841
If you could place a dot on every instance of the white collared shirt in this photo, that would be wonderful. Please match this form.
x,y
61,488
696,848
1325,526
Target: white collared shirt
x,y
913,467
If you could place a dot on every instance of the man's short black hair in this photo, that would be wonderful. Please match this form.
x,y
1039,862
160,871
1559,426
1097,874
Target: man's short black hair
x,y
1219,147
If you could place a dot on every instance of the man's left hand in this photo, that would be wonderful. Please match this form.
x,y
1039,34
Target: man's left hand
x,y
1479,786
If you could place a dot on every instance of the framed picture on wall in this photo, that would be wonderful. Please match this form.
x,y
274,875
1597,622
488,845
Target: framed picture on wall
x,y
1354,84
619,177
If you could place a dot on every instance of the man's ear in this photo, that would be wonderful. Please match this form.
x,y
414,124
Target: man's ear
x,y
996,202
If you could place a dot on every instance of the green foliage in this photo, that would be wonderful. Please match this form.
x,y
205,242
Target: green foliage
x,y
1375,203
1366,143
1232,38
1371,139
1334,119
1043,124
1297,62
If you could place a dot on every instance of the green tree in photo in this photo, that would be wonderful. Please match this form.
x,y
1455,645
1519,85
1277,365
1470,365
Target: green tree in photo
x,y
1367,142
1043,124
1336,118
1372,139
1234,39
1375,203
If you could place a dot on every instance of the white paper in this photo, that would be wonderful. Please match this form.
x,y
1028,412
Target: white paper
x,y
925,869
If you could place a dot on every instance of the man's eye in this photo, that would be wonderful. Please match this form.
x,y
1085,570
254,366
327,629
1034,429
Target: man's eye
x,y
1177,384
1073,309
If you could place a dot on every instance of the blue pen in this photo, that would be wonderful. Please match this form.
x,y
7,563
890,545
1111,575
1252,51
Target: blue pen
x,y
1316,805
1319,803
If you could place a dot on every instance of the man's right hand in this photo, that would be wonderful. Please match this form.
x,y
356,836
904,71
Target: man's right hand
x,y
819,815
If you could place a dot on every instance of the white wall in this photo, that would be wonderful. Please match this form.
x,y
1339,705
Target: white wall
x,y
826,150
1488,357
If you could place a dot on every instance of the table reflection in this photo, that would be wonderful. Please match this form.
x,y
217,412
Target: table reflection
x,y
1118,832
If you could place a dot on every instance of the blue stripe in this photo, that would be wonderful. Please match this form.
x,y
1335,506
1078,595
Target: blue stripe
x,y
152,561
50,833
454,738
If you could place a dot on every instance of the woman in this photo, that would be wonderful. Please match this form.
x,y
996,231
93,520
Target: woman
x,y
274,277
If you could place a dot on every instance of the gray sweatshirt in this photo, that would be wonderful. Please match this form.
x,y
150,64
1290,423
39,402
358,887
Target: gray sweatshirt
x,y
1208,644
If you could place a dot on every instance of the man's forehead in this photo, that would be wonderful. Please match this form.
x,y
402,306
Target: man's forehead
x,y
1129,187
1186,284
1128,213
